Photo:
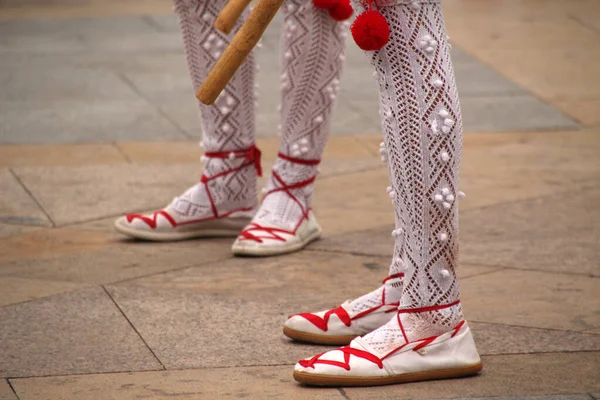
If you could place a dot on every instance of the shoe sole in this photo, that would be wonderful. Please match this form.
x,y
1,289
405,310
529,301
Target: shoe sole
x,y
274,251
177,236
315,338
343,381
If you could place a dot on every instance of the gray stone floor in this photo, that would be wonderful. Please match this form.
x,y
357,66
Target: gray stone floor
x,y
116,79
86,314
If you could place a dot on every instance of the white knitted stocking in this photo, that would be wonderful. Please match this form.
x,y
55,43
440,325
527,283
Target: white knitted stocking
x,y
423,141
312,51
228,126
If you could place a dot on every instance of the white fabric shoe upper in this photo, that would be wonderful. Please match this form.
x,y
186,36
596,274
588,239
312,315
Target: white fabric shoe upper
x,y
453,349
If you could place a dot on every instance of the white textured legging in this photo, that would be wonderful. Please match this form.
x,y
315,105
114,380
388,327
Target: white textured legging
x,y
422,128
312,53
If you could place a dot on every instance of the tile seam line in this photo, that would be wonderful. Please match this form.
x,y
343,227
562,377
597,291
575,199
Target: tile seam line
x,y
149,370
124,281
544,196
590,28
538,328
156,108
32,197
256,366
86,286
121,152
145,209
343,393
134,328
12,388
498,267
512,268
578,122
178,269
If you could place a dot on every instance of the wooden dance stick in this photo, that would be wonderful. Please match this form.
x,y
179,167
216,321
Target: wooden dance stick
x,y
240,47
230,14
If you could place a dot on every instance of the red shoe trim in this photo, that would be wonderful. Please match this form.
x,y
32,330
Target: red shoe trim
x,y
389,278
398,275
252,156
321,323
425,309
370,310
347,350
247,233
425,341
151,222
298,160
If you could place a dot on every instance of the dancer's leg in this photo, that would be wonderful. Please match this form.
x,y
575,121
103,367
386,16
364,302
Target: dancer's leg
x,y
225,199
312,52
428,338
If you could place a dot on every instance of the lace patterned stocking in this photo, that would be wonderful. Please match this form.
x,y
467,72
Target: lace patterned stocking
x,y
228,126
422,133
312,52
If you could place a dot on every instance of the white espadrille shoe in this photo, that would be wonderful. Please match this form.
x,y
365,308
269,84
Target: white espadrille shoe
x,y
218,206
450,355
266,239
354,318
166,225
285,221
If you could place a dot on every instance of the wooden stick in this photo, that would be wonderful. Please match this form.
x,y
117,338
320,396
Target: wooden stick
x,y
230,14
237,51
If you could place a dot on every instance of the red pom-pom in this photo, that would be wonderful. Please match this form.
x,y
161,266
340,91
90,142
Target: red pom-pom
x,y
342,11
370,30
327,4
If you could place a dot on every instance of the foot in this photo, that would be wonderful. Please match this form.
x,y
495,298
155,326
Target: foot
x,y
221,205
285,221
344,323
379,358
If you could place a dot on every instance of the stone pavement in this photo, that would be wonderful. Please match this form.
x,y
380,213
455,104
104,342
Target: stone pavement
x,y
97,119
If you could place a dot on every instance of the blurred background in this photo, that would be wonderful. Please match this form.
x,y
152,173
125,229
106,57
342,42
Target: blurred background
x,y
98,118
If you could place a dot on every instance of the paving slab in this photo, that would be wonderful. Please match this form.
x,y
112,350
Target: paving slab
x,y
118,56
91,192
537,299
540,397
572,396
17,290
226,305
6,392
495,339
94,192
55,83
556,233
513,375
222,383
33,122
100,256
16,205
71,154
71,333
345,147
189,329
7,230
512,113
308,279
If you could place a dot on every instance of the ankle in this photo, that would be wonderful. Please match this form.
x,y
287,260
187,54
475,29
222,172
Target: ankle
x,y
424,322
230,177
